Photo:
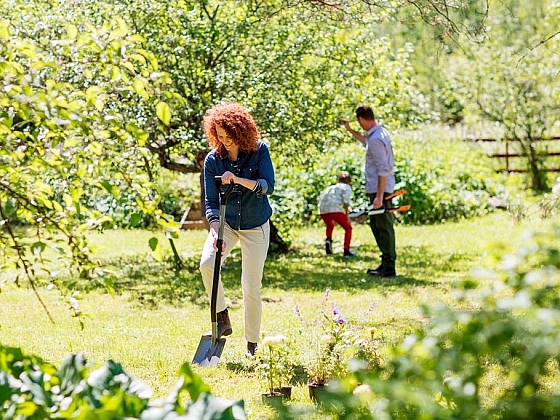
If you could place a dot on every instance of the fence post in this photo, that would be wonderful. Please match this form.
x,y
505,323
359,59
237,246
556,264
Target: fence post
x,y
507,155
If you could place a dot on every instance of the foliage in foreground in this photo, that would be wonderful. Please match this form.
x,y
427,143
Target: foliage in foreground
x,y
499,360
33,389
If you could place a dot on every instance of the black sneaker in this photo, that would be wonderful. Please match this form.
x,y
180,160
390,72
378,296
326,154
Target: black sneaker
x,y
348,254
328,246
251,348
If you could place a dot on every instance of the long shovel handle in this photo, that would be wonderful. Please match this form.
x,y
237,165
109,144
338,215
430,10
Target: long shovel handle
x,y
218,261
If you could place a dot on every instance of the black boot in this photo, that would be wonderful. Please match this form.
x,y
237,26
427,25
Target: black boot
x,y
224,325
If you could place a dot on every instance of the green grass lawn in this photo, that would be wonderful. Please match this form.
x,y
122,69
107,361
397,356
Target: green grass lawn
x,y
154,320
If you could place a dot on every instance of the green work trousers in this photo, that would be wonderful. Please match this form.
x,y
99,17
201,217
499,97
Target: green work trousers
x,y
384,233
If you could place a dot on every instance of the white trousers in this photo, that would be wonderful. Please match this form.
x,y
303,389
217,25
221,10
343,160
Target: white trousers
x,y
254,249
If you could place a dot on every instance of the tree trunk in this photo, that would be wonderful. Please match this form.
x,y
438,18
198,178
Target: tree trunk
x,y
277,244
538,176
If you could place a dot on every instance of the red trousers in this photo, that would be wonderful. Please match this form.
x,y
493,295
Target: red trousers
x,y
342,219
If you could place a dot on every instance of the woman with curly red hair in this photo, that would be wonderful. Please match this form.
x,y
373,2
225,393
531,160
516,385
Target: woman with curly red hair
x,y
240,156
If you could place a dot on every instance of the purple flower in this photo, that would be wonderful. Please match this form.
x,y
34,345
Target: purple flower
x,y
336,310
372,306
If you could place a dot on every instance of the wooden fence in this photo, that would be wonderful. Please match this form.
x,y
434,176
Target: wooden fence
x,y
509,151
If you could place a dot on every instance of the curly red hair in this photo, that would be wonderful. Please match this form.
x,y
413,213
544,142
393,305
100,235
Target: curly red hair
x,y
238,124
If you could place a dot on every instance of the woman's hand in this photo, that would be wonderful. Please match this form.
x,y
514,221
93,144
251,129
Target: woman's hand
x,y
227,177
214,226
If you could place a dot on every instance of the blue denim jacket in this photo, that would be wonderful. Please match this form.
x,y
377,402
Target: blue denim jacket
x,y
245,209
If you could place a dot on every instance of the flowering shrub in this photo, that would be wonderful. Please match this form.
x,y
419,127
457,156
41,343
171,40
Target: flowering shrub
x,y
333,342
275,365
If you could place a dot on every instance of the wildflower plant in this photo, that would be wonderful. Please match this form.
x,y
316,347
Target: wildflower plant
x,y
547,206
368,350
275,365
333,342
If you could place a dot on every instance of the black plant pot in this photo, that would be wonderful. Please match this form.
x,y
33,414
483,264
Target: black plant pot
x,y
273,400
286,392
317,391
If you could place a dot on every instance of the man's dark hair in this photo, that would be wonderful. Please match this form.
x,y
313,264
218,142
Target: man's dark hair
x,y
365,112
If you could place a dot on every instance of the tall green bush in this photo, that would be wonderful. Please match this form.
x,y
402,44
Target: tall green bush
x,y
445,179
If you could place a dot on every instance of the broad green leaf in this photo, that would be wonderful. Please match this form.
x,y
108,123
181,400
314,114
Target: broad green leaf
x,y
115,73
209,407
27,409
168,223
71,142
71,31
112,189
39,65
156,248
38,247
153,242
76,194
109,286
68,200
92,93
5,29
139,58
136,38
135,219
71,373
140,88
150,57
192,382
163,112
84,38
129,66
95,147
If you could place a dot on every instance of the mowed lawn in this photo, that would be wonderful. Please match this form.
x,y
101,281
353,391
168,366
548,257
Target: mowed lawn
x,y
154,320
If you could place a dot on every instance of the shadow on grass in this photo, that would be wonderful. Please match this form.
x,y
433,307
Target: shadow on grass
x,y
151,283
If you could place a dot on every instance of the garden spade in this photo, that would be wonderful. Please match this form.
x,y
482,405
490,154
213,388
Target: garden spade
x,y
210,347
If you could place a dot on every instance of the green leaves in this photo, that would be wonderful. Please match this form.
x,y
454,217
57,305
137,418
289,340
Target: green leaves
x,y
38,247
31,388
507,335
163,112
156,249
